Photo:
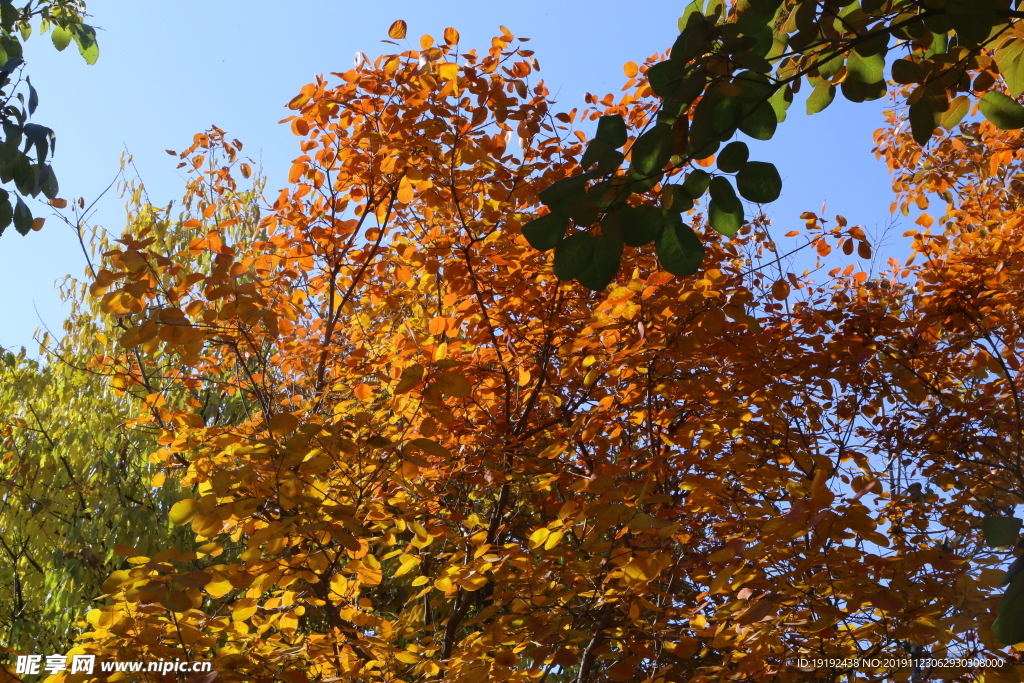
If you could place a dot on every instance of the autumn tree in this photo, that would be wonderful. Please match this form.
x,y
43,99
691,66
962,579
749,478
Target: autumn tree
x,y
446,461
75,480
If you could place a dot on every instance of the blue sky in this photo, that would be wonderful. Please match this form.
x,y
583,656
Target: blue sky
x,y
168,70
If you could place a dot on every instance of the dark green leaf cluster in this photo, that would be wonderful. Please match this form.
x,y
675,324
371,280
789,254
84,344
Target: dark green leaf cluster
x,y
597,202
25,147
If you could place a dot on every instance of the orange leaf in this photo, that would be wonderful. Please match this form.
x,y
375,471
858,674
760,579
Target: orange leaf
x,y
398,29
451,36
453,384
631,69
426,41
411,376
780,290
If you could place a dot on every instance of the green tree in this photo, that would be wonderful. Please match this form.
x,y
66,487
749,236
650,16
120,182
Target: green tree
x,y
735,68
26,147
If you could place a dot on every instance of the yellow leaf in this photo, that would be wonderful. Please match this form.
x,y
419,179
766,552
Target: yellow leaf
x,y
408,562
723,555
368,571
243,609
175,601
420,580
407,657
218,589
115,580
398,29
473,583
283,424
426,41
448,72
553,539
538,537
411,376
638,570
183,511
432,447
453,384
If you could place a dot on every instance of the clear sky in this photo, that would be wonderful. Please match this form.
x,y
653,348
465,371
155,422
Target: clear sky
x,y
168,70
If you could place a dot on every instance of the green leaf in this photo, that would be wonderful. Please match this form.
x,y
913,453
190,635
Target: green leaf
x,y
715,119
760,123
675,198
922,121
759,182
696,182
780,102
33,97
725,211
605,155
545,232
1009,625
1011,65
652,150
1001,531
612,130
820,97
939,44
605,263
48,181
1005,112
876,43
857,91
694,40
664,77
905,71
558,196
693,7
640,225
85,38
679,249
751,60
609,193
732,158
829,68
972,19
869,69
640,183
958,109
573,254
22,217
6,210
754,87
